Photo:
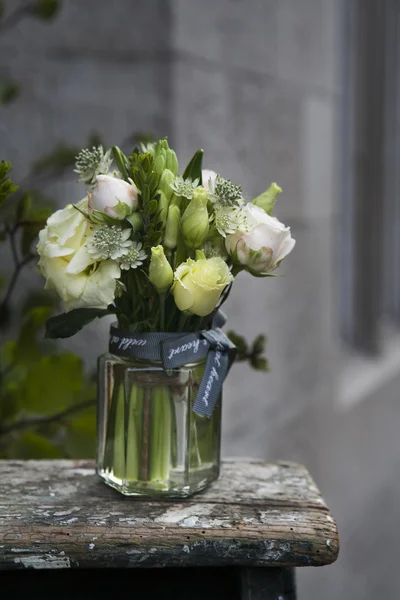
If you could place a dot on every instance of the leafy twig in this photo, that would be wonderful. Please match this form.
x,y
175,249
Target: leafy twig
x,y
19,265
37,421
253,353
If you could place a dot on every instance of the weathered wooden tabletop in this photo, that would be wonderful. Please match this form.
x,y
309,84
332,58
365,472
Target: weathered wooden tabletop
x,y
58,514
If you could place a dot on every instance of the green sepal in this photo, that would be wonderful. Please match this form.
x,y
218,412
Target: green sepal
x,y
136,221
122,210
260,275
67,324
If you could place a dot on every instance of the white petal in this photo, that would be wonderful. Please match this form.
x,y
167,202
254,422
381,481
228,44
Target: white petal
x,y
285,248
80,261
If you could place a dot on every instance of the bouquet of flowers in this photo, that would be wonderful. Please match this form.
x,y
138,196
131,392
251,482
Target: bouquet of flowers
x,y
159,250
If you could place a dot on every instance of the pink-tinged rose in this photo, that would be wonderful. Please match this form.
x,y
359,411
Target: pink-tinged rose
x,y
109,192
264,244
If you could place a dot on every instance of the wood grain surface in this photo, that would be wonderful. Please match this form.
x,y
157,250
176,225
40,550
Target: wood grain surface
x,y
58,514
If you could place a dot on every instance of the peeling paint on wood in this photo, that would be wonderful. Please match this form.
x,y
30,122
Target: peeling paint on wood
x,y
58,514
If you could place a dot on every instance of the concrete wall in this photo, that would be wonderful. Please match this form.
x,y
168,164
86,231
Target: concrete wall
x,y
257,84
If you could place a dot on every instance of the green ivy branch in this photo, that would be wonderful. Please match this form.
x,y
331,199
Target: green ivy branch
x,y
34,377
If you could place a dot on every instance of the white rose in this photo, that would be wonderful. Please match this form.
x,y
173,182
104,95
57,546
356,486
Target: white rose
x,y
265,243
109,191
208,178
67,266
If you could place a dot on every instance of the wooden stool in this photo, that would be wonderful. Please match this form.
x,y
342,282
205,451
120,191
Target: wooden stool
x,y
241,538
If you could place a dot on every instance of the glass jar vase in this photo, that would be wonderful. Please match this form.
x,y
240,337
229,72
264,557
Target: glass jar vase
x,y
149,440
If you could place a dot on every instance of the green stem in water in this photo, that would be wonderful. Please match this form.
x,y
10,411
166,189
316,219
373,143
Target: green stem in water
x,y
119,433
134,409
160,435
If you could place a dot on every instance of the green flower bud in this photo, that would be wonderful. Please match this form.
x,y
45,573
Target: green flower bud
x,y
195,221
267,199
172,161
159,162
163,205
172,227
161,145
160,271
166,179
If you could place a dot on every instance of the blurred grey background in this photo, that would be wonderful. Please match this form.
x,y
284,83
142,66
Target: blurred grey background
x,y
302,92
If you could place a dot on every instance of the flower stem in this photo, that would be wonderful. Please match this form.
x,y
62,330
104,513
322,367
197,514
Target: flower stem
x,y
162,312
182,321
119,434
160,435
134,433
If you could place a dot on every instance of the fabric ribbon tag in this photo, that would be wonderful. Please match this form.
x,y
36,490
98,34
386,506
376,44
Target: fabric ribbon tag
x,y
177,349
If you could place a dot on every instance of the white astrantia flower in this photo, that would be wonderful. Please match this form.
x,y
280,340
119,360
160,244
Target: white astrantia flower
x,y
109,242
226,194
133,258
92,162
229,220
184,187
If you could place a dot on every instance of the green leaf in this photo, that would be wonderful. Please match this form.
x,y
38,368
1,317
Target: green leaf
x,y
240,343
193,170
258,346
46,9
260,363
67,324
52,384
24,205
32,445
81,434
62,157
152,207
7,187
39,214
121,161
36,298
9,91
28,236
26,349
9,407
145,194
